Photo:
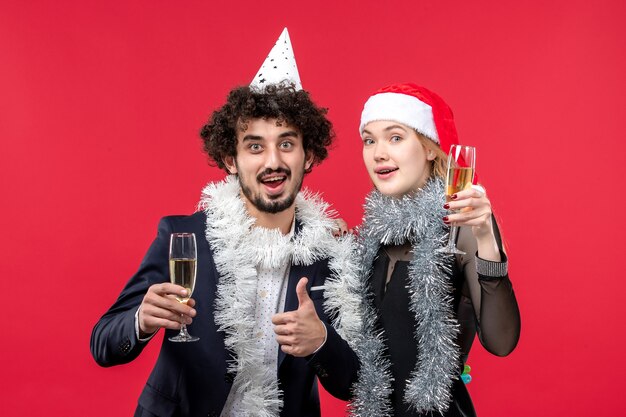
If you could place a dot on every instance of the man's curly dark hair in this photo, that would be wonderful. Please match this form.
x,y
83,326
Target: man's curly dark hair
x,y
281,102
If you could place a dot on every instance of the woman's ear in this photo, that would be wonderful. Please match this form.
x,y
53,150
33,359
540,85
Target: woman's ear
x,y
229,161
430,155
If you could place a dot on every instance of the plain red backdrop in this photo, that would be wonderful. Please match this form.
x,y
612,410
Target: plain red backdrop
x,y
100,107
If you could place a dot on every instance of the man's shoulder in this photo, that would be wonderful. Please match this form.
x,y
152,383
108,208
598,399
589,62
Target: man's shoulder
x,y
179,222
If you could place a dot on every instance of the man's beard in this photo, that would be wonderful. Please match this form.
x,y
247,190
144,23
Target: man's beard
x,y
269,206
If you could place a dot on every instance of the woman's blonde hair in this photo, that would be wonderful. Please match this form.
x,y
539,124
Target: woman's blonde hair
x,y
439,165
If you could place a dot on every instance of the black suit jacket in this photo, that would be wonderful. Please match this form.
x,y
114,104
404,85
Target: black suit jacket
x,y
191,379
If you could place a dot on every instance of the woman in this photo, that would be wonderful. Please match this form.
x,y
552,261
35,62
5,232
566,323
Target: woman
x,y
413,314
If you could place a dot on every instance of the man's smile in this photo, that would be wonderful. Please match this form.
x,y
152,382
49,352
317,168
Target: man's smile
x,y
274,181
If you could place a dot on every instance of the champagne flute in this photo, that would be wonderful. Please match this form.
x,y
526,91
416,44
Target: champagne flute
x,y
461,165
183,259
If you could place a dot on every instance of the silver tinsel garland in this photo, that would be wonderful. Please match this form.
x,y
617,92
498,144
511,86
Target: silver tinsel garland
x,y
391,221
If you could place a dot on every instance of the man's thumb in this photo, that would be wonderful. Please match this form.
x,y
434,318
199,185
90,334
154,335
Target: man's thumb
x,y
303,296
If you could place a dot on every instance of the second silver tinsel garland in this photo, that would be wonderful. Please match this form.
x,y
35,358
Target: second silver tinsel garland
x,y
418,220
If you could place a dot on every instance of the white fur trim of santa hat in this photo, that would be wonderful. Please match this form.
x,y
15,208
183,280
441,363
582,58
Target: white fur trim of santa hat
x,y
402,108
279,66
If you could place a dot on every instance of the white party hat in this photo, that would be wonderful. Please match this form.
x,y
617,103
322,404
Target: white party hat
x,y
279,66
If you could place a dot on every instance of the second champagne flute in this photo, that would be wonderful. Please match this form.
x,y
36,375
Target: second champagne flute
x,y
183,260
461,166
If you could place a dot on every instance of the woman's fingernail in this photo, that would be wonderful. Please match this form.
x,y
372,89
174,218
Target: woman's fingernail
x,y
446,220
454,196
446,206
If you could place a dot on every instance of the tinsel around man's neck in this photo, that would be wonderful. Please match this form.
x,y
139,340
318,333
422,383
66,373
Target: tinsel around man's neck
x,y
238,248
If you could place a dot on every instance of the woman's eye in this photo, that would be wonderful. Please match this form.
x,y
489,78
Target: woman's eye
x,y
367,141
395,138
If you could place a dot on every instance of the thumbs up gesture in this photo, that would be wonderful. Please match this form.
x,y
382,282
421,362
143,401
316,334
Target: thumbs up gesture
x,y
300,332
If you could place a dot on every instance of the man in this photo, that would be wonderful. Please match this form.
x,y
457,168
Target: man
x,y
264,252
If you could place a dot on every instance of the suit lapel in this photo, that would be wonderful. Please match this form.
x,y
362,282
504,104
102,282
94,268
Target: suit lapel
x,y
295,273
291,299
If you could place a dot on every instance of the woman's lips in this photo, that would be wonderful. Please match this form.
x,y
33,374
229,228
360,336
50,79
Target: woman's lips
x,y
385,172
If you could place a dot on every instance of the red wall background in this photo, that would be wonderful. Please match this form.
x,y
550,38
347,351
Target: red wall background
x,y
101,102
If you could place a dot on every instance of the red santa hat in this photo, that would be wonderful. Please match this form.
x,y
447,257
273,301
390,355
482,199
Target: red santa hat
x,y
416,107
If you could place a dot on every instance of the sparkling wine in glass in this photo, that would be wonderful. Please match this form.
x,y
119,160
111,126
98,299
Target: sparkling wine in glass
x,y
461,166
183,260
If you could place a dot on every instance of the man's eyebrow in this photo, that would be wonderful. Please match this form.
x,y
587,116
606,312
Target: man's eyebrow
x,y
251,137
288,133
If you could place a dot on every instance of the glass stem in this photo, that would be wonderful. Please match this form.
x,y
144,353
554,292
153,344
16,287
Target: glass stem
x,y
452,240
183,327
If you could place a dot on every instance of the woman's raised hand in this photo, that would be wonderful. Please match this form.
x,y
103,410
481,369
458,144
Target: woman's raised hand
x,y
471,207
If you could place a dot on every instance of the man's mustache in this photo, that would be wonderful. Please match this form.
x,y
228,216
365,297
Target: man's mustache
x,y
270,171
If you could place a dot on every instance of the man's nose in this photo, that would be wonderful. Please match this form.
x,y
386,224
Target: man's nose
x,y
273,159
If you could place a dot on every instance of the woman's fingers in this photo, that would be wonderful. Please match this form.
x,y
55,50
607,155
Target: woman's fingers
x,y
470,216
468,203
475,191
